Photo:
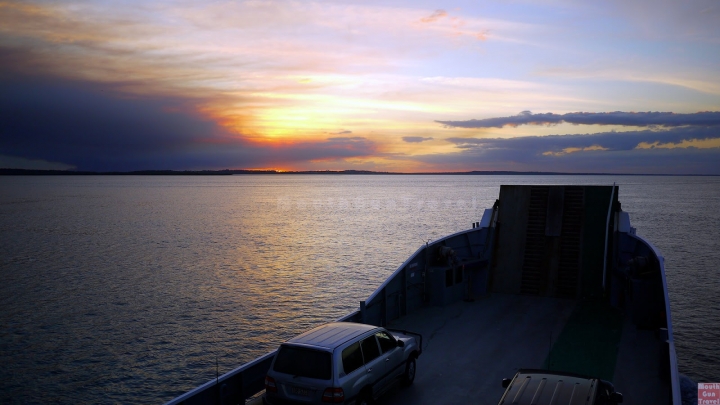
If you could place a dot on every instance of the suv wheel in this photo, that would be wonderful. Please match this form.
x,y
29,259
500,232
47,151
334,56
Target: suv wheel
x,y
410,369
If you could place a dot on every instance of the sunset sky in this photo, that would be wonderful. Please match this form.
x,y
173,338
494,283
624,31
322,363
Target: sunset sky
x,y
627,86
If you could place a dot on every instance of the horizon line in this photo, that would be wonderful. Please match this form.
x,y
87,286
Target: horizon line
x,y
225,172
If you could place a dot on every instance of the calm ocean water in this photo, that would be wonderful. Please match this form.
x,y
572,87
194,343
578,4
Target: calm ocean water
x,y
129,289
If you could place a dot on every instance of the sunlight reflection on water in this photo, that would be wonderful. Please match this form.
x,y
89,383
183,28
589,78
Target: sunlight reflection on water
x,y
129,289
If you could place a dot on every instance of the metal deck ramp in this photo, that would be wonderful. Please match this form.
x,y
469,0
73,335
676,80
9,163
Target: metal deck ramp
x,y
548,242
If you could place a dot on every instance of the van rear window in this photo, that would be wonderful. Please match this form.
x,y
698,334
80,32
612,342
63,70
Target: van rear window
x,y
303,362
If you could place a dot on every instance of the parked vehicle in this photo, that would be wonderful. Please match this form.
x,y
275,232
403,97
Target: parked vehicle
x,y
544,387
341,363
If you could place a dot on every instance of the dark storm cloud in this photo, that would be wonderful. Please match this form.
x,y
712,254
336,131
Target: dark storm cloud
x,y
415,139
639,119
607,140
630,152
92,127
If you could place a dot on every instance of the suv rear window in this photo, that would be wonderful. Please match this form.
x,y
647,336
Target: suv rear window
x,y
303,362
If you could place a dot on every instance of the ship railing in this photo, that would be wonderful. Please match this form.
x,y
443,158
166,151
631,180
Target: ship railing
x,y
402,292
388,302
240,384
672,355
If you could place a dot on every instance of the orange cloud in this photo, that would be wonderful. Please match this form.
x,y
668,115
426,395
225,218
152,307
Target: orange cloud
x,y
684,144
567,151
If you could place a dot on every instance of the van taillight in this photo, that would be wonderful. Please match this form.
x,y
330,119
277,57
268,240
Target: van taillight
x,y
270,384
333,395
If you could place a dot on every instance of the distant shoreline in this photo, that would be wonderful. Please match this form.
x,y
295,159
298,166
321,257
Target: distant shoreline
x,y
228,172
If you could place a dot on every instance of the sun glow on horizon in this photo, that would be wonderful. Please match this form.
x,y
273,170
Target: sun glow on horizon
x,y
363,86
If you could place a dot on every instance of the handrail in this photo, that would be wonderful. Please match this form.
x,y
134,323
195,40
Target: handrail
x,y
199,394
240,375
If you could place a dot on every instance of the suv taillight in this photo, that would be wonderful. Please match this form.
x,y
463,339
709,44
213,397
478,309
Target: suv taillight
x,y
270,384
333,395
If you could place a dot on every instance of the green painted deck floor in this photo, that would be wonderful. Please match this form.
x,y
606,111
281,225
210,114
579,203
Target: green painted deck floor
x,y
589,342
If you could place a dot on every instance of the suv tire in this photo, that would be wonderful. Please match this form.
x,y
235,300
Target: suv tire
x,y
410,370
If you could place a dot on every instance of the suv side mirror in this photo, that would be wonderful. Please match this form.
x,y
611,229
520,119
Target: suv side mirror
x,y
506,382
616,398
400,343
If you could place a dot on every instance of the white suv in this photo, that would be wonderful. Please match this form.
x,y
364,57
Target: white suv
x,y
341,363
